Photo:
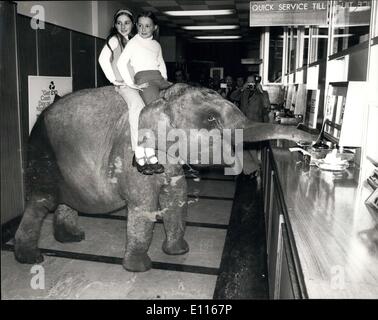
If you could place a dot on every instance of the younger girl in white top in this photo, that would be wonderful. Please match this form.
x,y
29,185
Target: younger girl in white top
x,y
144,55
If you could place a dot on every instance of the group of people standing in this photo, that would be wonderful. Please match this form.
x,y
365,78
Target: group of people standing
x,y
246,94
134,64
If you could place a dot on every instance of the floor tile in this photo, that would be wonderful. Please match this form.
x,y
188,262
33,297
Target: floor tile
x,y
74,279
210,174
108,237
206,247
199,210
212,188
209,211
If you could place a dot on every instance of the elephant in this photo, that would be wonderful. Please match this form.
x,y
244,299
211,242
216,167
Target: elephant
x,y
80,160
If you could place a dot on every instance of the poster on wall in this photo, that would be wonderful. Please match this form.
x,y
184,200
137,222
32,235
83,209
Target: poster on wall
x,y
42,91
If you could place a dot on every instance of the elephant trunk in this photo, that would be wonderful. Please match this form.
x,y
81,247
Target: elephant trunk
x,y
256,131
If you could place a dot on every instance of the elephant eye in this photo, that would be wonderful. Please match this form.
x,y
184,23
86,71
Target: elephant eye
x,y
211,118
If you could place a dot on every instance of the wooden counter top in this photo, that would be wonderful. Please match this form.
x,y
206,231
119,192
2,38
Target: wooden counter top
x,y
333,230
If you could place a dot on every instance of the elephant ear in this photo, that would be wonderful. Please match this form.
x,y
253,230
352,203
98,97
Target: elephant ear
x,y
174,91
190,107
175,100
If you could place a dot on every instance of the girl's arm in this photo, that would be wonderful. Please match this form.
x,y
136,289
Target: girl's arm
x,y
162,67
122,65
104,60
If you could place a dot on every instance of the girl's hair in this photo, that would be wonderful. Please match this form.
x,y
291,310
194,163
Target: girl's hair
x,y
150,14
113,31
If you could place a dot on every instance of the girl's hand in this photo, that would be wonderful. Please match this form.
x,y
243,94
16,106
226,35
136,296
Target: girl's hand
x,y
119,83
141,86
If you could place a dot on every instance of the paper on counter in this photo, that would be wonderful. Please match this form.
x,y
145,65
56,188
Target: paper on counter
x,y
299,150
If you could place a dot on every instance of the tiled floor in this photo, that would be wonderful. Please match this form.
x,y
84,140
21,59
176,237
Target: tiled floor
x,y
75,279
189,276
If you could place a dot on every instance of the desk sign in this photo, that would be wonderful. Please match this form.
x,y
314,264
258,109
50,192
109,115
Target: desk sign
x,y
42,91
288,13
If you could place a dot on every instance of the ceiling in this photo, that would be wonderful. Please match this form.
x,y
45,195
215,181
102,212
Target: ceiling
x,y
172,25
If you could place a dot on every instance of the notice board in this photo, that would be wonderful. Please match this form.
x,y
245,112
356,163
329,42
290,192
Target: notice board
x,y
288,13
42,91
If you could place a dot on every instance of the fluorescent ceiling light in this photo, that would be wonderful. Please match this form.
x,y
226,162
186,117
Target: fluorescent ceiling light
x,y
182,13
230,27
217,37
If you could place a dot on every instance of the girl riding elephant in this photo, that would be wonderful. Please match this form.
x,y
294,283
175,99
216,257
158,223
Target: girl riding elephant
x,y
119,36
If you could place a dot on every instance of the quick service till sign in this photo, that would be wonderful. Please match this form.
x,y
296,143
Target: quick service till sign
x,y
288,13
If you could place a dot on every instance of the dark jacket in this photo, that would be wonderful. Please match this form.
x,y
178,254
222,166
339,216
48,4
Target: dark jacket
x,y
255,105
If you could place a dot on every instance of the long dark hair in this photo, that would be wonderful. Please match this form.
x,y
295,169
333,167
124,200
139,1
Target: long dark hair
x,y
113,31
150,14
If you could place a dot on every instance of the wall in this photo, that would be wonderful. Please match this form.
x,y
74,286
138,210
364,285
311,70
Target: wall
x,y
75,15
90,17
168,45
56,51
224,54
11,171
357,69
106,10
52,51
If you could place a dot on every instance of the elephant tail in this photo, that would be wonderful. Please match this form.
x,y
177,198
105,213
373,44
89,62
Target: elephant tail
x,y
42,172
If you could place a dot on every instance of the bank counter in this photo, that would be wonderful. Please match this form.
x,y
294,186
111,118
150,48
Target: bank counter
x,y
321,239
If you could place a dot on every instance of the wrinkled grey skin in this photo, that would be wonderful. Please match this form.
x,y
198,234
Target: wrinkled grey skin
x,y
80,159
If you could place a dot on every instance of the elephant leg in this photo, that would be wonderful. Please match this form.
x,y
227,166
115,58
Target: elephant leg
x,y
66,227
140,224
174,205
28,232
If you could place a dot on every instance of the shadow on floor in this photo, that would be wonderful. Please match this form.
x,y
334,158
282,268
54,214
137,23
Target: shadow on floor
x,y
243,270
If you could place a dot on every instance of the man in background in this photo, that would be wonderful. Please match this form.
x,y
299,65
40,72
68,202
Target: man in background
x,y
256,106
254,102
235,96
179,76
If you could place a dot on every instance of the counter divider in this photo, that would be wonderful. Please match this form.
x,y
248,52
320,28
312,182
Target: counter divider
x,y
301,291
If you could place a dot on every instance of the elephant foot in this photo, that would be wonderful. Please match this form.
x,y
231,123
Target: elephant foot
x,y
62,233
28,255
176,248
137,262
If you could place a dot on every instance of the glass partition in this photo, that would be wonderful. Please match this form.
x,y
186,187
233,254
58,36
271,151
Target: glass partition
x,y
276,42
319,43
287,36
351,23
293,49
305,46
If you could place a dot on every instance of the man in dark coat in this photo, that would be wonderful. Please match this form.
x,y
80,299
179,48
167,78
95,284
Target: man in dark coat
x,y
254,100
255,105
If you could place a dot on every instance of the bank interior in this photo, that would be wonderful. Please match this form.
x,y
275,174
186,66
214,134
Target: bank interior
x,y
304,227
